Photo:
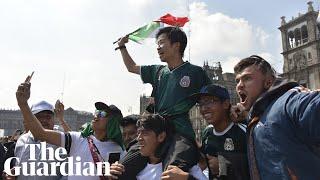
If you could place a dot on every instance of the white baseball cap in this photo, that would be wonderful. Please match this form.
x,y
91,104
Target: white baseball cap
x,y
41,106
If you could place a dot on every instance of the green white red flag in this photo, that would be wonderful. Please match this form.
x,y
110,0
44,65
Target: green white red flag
x,y
149,30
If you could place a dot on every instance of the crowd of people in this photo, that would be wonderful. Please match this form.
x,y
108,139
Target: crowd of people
x,y
272,133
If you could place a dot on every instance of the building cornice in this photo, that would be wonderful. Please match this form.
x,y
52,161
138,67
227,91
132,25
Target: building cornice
x,y
300,47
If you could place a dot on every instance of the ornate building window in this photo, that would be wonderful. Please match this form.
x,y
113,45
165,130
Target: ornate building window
x,y
304,33
297,37
291,40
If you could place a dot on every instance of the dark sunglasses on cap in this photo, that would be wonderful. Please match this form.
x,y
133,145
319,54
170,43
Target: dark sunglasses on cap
x,y
100,114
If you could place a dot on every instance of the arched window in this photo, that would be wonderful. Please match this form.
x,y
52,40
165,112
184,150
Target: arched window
x,y
291,39
304,33
297,37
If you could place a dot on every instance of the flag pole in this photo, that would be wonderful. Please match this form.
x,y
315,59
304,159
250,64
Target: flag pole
x,y
127,35
63,84
189,31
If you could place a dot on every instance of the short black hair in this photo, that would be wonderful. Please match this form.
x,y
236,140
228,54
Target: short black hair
x,y
155,123
175,34
262,64
158,125
130,119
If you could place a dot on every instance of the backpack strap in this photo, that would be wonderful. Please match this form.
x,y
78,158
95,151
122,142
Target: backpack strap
x,y
68,142
96,156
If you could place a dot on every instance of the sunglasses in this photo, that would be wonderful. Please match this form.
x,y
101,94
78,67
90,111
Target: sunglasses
x,y
100,114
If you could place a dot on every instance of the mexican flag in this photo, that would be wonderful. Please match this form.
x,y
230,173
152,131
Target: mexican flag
x,y
149,30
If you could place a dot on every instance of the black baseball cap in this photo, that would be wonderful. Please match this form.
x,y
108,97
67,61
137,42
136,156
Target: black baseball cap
x,y
212,90
112,109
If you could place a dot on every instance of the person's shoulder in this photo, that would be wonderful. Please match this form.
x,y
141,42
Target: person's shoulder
x,y
112,146
193,66
241,127
156,66
75,135
208,130
23,137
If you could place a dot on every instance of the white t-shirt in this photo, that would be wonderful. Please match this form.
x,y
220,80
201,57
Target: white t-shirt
x,y
80,148
154,171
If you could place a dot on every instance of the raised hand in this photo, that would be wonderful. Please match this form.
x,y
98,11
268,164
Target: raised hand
x,y
238,113
59,110
123,40
23,91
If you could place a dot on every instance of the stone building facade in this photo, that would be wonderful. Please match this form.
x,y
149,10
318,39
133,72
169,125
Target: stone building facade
x,y
10,120
301,48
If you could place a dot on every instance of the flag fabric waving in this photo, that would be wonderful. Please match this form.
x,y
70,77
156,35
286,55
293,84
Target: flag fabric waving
x,y
148,31
174,21
144,32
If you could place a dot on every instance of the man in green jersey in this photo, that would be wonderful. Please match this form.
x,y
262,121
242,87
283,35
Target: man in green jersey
x,y
172,84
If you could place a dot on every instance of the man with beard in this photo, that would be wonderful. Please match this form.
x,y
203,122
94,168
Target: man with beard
x,y
283,123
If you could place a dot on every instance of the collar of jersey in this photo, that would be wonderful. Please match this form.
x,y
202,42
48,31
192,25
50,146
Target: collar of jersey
x,y
179,66
224,131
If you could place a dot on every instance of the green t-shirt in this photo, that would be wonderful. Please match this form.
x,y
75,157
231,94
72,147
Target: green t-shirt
x,y
174,87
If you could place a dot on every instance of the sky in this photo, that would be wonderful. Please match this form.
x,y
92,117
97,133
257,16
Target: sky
x,y
68,44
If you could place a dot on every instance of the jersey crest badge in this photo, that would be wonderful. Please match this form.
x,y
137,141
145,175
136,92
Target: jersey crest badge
x,y
185,81
228,145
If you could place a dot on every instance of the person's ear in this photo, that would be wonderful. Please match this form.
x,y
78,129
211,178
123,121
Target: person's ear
x,y
176,45
268,82
162,136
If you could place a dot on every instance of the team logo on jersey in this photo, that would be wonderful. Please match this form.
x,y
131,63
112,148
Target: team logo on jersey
x,y
228,145
185,81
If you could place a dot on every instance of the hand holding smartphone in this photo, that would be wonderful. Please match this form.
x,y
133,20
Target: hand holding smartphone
x,y
29,78
113,157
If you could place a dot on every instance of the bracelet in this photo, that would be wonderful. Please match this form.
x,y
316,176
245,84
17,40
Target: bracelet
x,y
120,47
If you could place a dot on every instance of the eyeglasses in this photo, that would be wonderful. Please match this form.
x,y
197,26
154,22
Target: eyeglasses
x,y
209,102
100,114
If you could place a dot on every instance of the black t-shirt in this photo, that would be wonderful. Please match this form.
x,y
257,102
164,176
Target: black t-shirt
x,y
231,144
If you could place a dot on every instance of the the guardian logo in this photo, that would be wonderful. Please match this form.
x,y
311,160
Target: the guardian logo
x,y
68,166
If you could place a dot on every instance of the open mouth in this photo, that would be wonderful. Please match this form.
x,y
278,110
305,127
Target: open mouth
x,y
207,115
140,146
243,97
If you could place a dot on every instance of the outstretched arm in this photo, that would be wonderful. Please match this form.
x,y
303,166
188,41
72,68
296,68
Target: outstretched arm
x,y
30,121
128,61
175,173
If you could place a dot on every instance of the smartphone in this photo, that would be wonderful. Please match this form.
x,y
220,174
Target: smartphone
x,y
29,77
113,157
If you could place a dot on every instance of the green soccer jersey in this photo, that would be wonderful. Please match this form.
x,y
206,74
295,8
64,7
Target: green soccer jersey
x,y
173,87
